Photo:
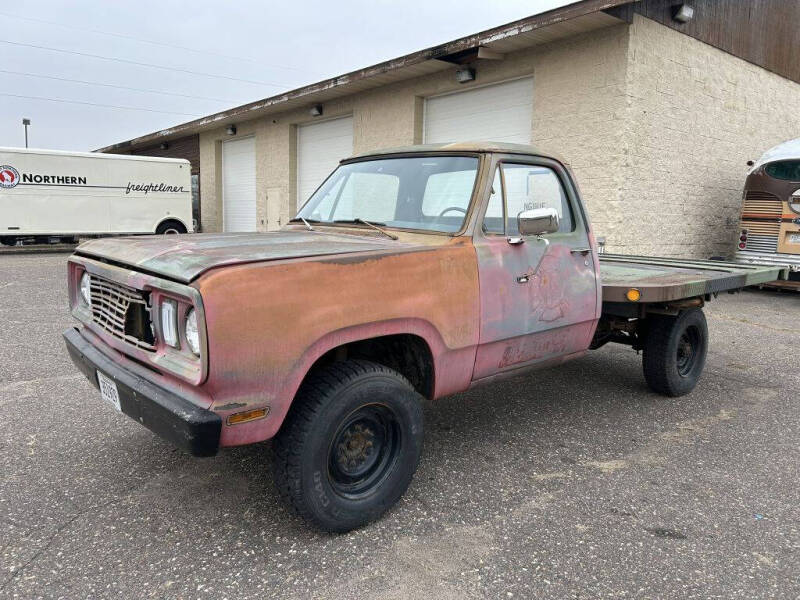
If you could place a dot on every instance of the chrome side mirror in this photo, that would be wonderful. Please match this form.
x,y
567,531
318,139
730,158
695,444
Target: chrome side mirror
x,y
537,221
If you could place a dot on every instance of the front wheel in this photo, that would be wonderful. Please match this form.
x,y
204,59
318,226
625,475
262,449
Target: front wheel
x,y
170,228
350,444
675,351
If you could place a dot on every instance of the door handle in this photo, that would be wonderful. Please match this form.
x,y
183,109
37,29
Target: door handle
x,y
583,251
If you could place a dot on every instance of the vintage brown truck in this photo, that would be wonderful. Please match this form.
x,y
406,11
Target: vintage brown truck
x,y
410,274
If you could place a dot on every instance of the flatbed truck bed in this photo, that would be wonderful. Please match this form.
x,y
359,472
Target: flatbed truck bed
x,y
665,280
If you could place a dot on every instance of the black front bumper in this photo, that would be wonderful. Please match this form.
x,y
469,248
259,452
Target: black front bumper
x,y
175,419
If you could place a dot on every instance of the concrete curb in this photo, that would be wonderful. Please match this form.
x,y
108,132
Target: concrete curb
x,y
38,249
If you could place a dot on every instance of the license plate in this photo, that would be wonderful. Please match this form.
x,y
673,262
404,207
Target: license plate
x,y
794,238
108,390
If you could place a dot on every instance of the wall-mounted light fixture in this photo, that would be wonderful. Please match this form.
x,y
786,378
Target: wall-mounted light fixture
x,y
231,130
316,110
464,75
164,145
683,13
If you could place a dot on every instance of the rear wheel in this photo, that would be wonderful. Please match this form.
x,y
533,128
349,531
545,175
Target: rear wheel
x,y
675,351
350,444
170,228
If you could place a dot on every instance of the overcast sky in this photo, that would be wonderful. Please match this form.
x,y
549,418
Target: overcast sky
x,y
260,49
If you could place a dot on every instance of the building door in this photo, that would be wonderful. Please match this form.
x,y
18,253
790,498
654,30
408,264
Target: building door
x,y
501,112
320,147
539,296
239,185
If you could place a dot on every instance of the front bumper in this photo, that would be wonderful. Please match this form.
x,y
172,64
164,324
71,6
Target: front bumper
x,y
191,428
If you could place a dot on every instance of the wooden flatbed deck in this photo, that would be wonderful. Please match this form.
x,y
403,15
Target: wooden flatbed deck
x,y
670,279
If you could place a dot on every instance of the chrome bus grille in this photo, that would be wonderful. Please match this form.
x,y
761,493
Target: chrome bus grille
x,y
761,218
123,312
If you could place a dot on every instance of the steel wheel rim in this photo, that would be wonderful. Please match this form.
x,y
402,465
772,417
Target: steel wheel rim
x,y
363,451
688,351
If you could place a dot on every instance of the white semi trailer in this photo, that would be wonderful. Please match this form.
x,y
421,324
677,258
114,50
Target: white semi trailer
x,y
51,195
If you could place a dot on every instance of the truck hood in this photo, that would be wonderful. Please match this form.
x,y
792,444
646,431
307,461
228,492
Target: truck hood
x,y
185,257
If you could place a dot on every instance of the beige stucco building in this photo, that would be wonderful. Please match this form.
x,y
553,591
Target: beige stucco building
x,y
657,117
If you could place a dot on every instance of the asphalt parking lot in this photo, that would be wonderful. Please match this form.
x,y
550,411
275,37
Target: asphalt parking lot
x,y
575,482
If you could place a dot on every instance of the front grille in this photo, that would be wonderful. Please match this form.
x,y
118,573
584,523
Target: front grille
x,y
123,312
761,217
763,204
762,243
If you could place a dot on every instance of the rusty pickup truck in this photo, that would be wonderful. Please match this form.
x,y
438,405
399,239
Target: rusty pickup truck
x,y
410,274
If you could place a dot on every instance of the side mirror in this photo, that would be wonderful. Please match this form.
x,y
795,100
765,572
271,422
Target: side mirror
x,y
537,221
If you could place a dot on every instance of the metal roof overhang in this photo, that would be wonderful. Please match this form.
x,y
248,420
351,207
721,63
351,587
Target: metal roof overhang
x,y
567,21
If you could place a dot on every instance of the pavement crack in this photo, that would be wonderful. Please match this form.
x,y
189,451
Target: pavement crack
x,y
59,530
753,323
13,385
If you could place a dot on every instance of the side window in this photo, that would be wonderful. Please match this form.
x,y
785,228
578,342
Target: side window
x,y
530,186
493,220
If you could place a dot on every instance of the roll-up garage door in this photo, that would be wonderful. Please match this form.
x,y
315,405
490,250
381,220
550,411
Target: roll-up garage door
x,y
239,185
501,112
320,147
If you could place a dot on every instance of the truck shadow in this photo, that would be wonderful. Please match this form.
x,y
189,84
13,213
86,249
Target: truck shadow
x,y
521,429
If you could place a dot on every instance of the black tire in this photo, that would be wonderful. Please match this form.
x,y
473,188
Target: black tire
x,y
8,241
170,227
350,444
675,351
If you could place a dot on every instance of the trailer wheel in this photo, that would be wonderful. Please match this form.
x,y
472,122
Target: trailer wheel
x,y
350,444
675,351
170,228
8,240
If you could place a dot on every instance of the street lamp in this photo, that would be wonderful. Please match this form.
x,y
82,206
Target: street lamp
x,y
25,123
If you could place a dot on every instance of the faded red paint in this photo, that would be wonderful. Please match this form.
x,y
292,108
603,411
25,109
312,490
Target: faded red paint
x,y
270,305
275,303
270,322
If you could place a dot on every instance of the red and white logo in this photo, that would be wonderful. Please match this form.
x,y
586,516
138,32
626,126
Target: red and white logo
x,y
9,176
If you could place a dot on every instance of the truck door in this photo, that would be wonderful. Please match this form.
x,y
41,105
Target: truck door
x,y
539,295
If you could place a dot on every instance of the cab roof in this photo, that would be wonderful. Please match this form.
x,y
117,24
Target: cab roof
x,y
477,146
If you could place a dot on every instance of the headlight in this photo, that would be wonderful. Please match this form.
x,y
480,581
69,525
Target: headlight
x,y
169,322
192,333
86,288
794,201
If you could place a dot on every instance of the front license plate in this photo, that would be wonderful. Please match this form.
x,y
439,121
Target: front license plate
x,y
108,390
794,238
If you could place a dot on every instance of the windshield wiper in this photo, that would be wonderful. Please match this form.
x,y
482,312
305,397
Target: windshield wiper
x,y
306,222
368,224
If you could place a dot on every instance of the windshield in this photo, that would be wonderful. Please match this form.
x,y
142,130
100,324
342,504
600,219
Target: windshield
x,y
431,193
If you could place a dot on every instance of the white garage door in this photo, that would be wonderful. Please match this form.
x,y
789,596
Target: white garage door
x,y
320,147
239,185
501,112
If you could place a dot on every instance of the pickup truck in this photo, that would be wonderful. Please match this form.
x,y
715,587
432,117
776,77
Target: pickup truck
x,y
410,274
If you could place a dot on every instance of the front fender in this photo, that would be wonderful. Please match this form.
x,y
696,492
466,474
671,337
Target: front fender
x,y
268,323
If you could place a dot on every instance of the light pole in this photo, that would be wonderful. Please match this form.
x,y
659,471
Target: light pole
x,y
25,123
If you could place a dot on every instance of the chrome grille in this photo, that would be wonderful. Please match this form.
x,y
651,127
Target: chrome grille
x,y
762,203
761,217
123,312
762,243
